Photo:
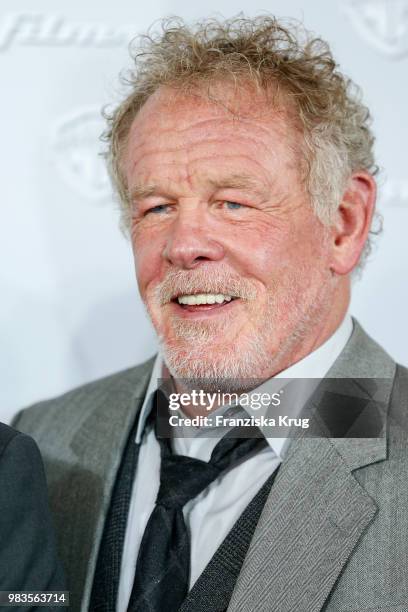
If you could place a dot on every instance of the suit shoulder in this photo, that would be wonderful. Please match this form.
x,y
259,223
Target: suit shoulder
x,y
402,371
397,425
76,403
399,395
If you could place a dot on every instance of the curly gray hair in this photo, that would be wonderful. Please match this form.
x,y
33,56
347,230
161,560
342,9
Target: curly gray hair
x,y
337,139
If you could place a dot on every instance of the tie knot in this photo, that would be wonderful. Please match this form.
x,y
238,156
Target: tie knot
x,y
183,478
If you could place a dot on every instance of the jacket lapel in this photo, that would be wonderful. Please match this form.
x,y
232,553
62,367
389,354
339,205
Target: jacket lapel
x,y
317,510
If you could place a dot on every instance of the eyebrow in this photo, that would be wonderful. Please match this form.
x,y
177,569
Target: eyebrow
x,y
139,192
233,181
239,181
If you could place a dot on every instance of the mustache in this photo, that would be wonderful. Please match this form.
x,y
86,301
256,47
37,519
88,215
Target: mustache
x,y
220,280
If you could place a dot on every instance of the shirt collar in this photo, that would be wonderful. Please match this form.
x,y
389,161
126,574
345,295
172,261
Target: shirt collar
x,y
157,374
313,366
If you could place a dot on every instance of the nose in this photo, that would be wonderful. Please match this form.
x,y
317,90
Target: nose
x,y
191,239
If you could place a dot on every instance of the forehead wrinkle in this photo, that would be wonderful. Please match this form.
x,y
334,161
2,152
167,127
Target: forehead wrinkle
x,y
266,127
198,140
263,133
238,179
193,156
261,185
199,144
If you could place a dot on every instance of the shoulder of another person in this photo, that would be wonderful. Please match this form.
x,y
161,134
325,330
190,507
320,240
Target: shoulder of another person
x,y
68,411
18,452
7,434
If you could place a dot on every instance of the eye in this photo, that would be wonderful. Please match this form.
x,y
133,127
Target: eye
x,y
159,209
233,205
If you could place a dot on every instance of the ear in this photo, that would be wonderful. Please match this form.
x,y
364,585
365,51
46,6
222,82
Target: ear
x,y
353,222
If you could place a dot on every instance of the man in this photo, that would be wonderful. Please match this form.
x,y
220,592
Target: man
x,y
243,160
28,556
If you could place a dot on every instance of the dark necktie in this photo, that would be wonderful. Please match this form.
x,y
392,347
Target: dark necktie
x,y
163,565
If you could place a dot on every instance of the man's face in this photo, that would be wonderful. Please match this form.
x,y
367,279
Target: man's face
x,y
219,211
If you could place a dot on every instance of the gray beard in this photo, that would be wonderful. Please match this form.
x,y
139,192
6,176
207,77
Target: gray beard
x,y
222,372
194,355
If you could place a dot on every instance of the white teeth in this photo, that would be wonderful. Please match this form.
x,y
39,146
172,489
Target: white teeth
x,y
204,298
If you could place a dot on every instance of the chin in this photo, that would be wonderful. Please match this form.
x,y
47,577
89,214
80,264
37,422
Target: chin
x,y
225,366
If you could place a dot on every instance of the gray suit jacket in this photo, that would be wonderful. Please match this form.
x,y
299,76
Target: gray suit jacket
x,y
28,557
333,534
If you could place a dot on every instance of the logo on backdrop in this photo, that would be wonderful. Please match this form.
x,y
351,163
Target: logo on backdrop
x,y
76,149
381,23
34,29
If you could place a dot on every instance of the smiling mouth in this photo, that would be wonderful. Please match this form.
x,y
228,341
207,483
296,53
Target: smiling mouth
x,y
203,301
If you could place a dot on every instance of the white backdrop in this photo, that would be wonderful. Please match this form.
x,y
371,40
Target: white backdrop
x,y
69,308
